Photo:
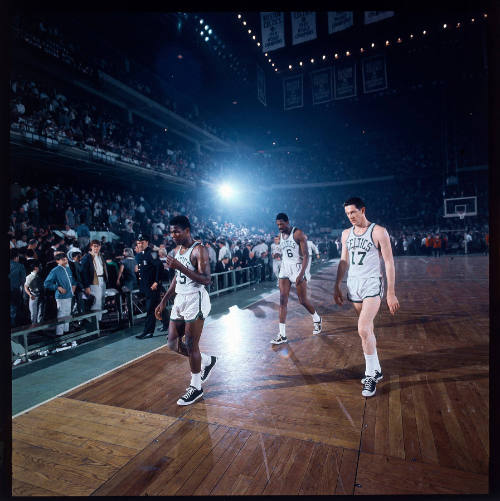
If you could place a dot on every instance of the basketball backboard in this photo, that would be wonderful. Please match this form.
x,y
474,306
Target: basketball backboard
x,y
460,207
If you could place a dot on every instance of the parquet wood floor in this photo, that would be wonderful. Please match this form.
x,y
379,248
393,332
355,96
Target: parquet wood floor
x,y
287,419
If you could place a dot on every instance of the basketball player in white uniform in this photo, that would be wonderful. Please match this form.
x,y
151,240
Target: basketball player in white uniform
x,y
191,305
293,269
362,245
276,255
311,247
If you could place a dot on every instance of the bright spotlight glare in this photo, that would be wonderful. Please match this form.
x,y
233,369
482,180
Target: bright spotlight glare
x,y
226,191
206,39
201,21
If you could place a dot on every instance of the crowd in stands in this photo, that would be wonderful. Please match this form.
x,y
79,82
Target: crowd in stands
x,y
42,109
49,219
45,36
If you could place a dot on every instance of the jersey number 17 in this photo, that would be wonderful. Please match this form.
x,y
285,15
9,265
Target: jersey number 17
x,y
360,253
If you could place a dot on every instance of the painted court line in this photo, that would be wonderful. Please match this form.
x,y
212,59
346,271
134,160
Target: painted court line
x,y
86,382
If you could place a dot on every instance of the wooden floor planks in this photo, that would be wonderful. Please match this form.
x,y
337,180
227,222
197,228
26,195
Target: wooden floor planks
x,y
287,419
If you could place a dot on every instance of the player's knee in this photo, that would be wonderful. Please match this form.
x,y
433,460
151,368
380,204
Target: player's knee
x,y
189,345
364,331
172,344
283,300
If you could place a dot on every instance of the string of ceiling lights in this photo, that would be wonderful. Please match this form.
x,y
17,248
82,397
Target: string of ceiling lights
x,y
215,44
347,53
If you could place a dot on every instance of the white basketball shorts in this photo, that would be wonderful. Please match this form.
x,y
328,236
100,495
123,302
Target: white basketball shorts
x,y
292,270
361,288
190,307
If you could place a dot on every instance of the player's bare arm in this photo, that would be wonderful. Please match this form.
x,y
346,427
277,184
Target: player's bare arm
x,y
163,303
200,260
342,268
383,242
301,239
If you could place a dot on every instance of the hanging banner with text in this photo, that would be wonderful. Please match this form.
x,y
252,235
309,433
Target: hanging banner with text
x,y
321,85
293,92
272,30
303,27
338,21
344,80
374,74
372,16
261,85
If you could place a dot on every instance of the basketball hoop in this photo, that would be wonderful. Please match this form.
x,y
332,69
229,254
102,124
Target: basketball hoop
x,y
461,214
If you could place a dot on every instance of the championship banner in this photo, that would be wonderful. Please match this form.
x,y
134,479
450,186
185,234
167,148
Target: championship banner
x,y
321,85
372,16
374,74
293,92
344,80
339,20
261,85
273,30
303,27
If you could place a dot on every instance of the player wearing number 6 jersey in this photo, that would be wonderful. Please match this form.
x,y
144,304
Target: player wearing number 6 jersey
x,y
191,305
362,245
293,269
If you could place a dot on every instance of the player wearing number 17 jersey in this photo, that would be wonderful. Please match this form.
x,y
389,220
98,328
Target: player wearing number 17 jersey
x,y
362,245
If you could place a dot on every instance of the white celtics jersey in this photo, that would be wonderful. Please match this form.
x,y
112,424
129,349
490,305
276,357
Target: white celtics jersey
x,y
290,249
364,257
275,249
183,284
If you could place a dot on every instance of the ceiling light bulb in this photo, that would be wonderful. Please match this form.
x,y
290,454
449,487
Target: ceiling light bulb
x,y
201,21
239,16
336,56
312,60
244,23
269,59
445,26
324,57
289,66
258,43
347,53
253,36
373,45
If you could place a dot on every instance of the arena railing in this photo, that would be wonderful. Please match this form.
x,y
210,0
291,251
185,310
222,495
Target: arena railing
x,y
229,282
25,330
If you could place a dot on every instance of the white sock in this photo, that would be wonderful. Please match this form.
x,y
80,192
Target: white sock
x,y
205,359
282,330
372,364
316,317
196,380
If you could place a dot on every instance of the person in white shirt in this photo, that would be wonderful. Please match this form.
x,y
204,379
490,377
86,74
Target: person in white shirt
x,y
276,255
69,232
23,242
223,250
311,247
33,287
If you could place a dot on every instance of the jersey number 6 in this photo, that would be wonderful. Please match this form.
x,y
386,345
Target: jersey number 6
x,y
289,253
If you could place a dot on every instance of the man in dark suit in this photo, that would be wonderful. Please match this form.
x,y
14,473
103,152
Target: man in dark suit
x,y
94,274
149,283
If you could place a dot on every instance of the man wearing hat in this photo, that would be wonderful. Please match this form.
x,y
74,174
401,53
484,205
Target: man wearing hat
x,y
149,267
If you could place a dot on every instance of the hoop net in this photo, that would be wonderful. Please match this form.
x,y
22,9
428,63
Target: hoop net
x,y
461,214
